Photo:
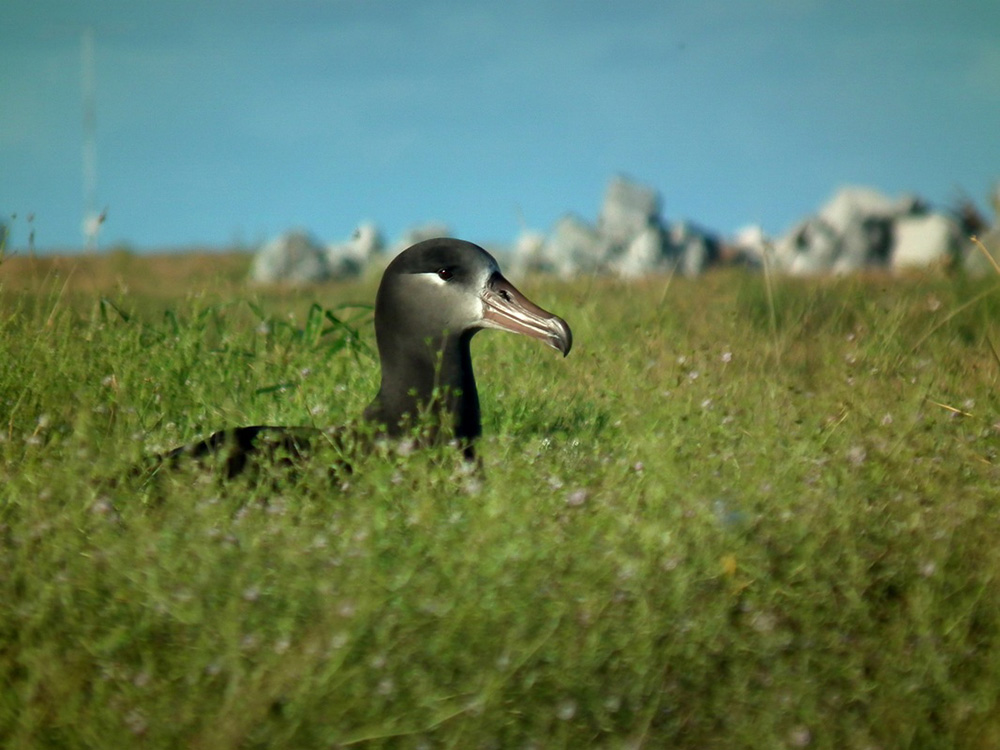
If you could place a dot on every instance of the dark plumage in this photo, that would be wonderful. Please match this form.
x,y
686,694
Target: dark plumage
x,y
433,298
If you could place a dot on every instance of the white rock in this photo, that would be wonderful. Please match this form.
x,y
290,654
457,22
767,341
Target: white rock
x,y
646,253
694,247
811,247
851,231
575,247
850,205
351,258
528,253
628,209
750,244
294,257
922,241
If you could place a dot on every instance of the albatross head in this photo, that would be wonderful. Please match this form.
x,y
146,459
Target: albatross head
x,y
446,287
433,298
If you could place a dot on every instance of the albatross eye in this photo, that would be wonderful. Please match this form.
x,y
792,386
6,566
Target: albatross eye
x,y
445,274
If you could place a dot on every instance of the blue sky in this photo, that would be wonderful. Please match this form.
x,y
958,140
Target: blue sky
x,y
233,121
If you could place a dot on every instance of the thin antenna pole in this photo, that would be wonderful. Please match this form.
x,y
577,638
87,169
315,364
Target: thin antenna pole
x,y
91,219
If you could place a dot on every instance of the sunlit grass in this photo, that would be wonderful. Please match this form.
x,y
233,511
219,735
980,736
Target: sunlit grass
x,y
730,518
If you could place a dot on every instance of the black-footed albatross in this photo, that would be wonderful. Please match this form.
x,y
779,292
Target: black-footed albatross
x,y
433,298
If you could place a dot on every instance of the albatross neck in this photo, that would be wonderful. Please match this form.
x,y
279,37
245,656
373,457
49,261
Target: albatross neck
x,y
420,377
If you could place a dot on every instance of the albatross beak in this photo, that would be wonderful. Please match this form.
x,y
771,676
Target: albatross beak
x,y
507,309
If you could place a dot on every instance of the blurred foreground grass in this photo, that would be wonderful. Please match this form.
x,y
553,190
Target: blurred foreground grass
x,y
731,518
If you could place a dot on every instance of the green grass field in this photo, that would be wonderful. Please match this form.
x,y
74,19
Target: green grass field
x,y
738,515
